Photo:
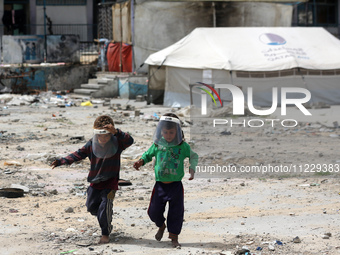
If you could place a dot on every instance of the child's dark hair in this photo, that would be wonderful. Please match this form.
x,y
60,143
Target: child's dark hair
x,y
101,121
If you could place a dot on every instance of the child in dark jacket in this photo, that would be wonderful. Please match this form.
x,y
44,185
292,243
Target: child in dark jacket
x,y
104,151
169,150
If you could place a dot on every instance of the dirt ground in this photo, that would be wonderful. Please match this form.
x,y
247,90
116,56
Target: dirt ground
x,y
224,214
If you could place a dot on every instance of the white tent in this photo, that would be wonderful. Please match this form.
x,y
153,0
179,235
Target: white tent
x,y
257,57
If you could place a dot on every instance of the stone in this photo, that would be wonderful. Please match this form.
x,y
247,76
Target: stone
x,y
69,210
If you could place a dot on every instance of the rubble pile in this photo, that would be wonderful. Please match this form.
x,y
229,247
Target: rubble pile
x,y
224,214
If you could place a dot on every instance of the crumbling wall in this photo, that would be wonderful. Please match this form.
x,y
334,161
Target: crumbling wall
x,y
30,49
68,77
23,49
25,80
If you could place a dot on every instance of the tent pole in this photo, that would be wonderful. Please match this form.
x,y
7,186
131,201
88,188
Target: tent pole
x,y
214,13
132,16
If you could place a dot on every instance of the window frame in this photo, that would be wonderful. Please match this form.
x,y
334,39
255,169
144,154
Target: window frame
x,y
61,2
314,8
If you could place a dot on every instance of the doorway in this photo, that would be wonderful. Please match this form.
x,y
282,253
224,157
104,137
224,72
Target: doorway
x,y
16,17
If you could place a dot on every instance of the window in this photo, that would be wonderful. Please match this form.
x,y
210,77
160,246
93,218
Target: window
x,y
318,13
61,2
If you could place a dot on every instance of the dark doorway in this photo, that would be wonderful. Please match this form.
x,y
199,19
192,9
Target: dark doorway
x,y
16,17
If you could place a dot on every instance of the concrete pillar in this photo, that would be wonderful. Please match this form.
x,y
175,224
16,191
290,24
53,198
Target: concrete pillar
x,y
89,14
33,19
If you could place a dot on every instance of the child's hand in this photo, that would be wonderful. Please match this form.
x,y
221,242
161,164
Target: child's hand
x,y
54,164
192,174
111,128
138,164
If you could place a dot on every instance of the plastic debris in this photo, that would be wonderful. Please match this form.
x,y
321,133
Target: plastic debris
x,y
87,103
156,116
271,247
12,163
67,252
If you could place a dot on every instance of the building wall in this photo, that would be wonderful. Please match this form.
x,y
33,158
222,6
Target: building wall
x,y
64,14
158,25
22,49
30,49
61,15
68,77
45,77
253,14
1,15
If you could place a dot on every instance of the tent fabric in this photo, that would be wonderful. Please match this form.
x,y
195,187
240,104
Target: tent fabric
x,y
127,58
113,57
257,57
325,88
119,57
156,84
262,88
177,84
252,49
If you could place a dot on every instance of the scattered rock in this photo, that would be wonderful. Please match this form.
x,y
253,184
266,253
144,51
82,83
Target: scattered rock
x,y
328,234
54,192
225,133
296,239
242,252
69,210
19,148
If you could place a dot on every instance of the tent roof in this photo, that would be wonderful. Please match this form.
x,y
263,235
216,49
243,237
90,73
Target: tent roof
x,y
252,49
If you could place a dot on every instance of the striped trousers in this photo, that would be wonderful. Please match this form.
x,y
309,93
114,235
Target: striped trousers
x,y
100,203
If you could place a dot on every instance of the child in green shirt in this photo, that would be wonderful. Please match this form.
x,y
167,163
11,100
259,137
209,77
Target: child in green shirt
x,y
169,150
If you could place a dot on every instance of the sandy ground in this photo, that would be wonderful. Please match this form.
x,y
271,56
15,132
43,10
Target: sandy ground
x,y
224,213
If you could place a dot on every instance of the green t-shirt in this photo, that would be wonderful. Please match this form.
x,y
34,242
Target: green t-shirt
x,y
169,165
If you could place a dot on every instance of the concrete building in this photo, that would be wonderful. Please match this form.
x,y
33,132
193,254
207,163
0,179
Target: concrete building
x,y
26,17
153,25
